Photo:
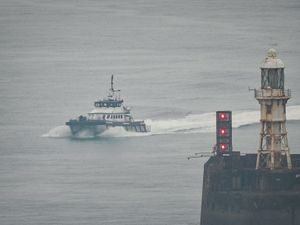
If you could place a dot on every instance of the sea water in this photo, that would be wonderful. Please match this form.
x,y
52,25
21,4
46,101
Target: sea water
x,y
176,63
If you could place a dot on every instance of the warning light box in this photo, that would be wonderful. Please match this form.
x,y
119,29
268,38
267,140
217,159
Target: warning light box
x,y
224,132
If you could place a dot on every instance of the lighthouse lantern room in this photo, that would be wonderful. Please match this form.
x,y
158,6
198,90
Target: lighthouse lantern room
x,y
273,152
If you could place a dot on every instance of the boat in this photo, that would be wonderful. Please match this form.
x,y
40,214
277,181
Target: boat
x,y
108,112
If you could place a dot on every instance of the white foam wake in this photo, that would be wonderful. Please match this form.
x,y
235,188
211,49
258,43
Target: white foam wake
x,y
203,123
58,132
193,123
121,132
64,132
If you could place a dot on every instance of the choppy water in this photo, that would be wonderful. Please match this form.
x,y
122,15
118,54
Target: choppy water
x,y
176,62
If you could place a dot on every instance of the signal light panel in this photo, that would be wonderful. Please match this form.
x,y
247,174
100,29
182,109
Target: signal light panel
x,y
224,132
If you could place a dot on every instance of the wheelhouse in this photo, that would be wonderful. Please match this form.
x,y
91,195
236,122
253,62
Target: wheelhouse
x,y
108,103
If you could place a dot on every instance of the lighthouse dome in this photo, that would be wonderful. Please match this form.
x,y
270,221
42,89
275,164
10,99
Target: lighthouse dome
x,y
271,61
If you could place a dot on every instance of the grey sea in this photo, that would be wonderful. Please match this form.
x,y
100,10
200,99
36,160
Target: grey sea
x,y
176,62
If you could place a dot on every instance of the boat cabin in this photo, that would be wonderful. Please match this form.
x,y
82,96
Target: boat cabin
x,y
108,103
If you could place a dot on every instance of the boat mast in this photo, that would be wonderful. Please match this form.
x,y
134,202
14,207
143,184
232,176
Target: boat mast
x,y
112,83
112,90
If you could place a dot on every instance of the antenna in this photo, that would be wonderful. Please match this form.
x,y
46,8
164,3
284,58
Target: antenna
x,y
251,89
112,83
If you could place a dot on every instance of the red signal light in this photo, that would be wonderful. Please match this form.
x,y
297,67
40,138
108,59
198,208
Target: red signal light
x,y
223,116
224,147
223,132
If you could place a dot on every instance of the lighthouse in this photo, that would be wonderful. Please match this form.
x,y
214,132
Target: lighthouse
x,y
262,188
273,151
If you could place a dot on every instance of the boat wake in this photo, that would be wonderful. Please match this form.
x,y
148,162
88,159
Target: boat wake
x,y
58,132
193,123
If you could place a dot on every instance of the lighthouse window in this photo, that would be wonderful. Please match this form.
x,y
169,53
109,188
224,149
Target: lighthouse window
x,y
281,79
269,109
264,78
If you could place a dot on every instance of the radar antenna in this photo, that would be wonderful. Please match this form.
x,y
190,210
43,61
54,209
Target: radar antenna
x,y
112,91
112,83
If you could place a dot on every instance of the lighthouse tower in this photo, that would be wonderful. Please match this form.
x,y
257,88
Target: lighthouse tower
x,y
273,152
